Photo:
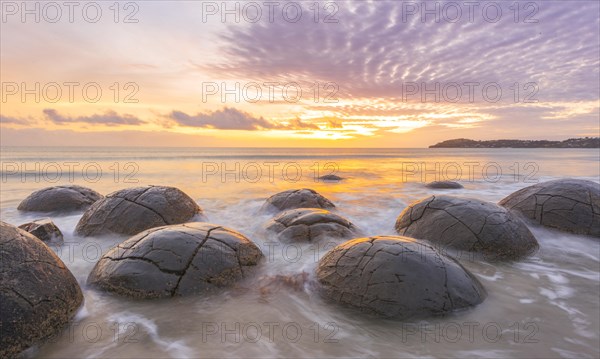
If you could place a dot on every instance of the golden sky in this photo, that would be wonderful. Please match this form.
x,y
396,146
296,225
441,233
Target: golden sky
x,y
354,74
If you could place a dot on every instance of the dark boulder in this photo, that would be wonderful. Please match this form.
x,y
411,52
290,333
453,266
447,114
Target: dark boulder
x,y
311,225
190,258
396,277
298,198
570,205
132,210
330,178
467,224
444,185
45,230
60,199
38,294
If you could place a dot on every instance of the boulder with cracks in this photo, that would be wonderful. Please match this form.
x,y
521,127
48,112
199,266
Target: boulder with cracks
x,y
310,225
466,224
396,277
298,198
190,258
60,199
38,294
132,210
570,205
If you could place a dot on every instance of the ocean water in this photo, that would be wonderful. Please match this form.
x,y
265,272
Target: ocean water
x,y
545,306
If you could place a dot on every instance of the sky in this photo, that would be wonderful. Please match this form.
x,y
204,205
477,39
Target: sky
x,y
297,74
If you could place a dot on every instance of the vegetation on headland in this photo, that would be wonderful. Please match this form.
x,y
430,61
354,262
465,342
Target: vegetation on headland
x,y
585,142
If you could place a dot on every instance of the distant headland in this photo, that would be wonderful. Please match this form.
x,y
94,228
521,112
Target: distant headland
x,y
585,142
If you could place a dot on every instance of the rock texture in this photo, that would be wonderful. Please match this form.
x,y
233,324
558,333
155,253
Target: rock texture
x,y
467,224
132,210
396,277
38,294
175,260
274,283
444,185
45,230
310,225
570,205
60,199
298,198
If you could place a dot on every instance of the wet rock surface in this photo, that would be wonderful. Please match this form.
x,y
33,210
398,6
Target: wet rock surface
x,y
310,225
132,210
570,205
396,277
271,284
298,198
38,294
60,199
45,230
444,185
168,261
467,224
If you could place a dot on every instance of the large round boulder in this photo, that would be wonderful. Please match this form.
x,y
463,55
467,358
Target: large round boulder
x,y
183,259
396,277
570,205
60,199
132,210
296,198
310,225
38,294
466,224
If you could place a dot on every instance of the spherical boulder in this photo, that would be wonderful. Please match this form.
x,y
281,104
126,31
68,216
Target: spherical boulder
x,y
310,225
38,294
396,277
570,205
444,185
60,199
132,210
467,224
45,230
174,260
296,198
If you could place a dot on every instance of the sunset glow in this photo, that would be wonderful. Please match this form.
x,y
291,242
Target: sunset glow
x,y
411,85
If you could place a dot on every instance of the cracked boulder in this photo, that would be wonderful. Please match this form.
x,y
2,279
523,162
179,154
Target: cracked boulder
x,y
132,210
60,199
45,230
310,225
444,185
569,205
191,258
296,198
396,277
470,225
38,294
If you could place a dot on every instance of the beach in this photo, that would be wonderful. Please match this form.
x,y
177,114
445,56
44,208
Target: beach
x,y
545,305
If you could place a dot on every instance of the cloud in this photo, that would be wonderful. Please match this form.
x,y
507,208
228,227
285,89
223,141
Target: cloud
x,y
225,119
296,124
232,119
13,120
375,49
110,118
